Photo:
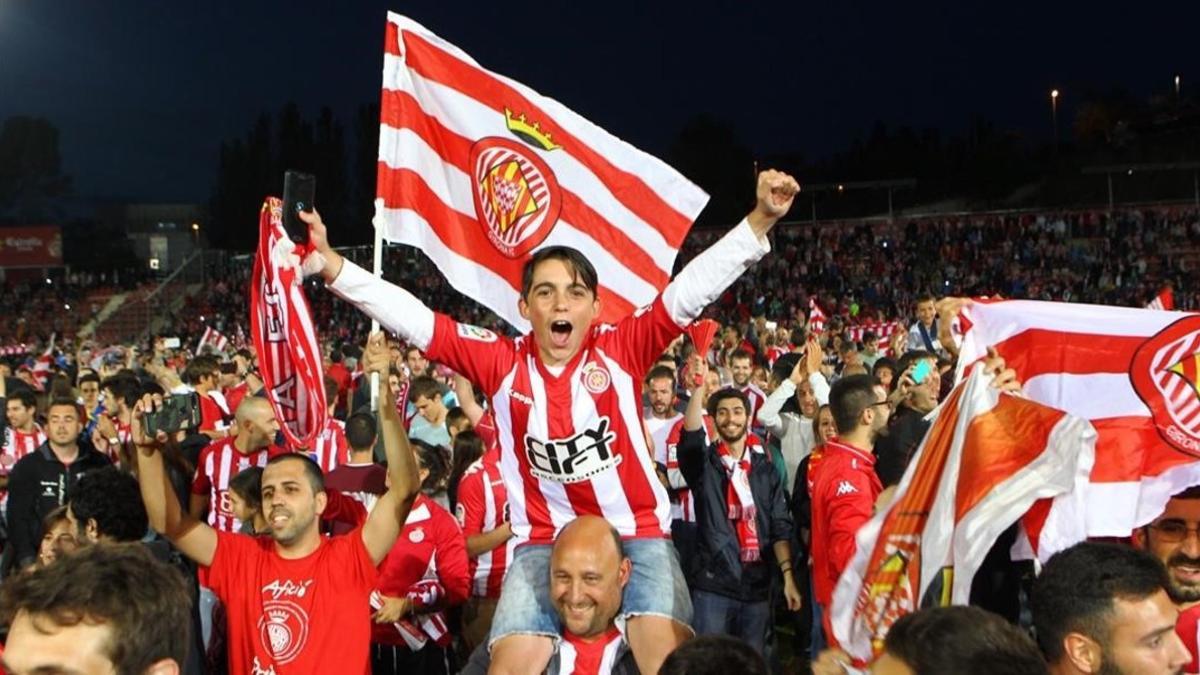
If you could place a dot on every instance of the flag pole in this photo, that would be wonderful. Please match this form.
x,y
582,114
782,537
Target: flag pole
x,y
377,269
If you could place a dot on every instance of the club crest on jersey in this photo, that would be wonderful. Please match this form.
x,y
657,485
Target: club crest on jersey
x,y
517,198
475,333
574,459
283,629
417,536
595,378
1164,372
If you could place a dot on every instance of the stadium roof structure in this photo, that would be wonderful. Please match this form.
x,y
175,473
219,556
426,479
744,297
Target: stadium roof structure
x,y
1129,169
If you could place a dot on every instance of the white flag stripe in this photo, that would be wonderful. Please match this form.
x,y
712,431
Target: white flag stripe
x,y
663,180
406,226
453,188
472,119
1013,317
1094,396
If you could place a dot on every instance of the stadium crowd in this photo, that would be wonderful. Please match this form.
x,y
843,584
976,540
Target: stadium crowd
x,y
158,521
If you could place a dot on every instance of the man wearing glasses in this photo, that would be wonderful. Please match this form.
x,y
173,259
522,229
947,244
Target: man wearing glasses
x,y
1173,539
844,485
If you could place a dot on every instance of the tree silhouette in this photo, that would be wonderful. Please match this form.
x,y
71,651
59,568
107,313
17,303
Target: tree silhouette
x,y
31,178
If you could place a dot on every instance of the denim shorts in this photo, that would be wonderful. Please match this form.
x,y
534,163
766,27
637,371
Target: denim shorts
x,y
656,588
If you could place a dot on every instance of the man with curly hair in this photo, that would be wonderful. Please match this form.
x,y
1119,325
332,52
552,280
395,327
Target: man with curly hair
x,y
107,506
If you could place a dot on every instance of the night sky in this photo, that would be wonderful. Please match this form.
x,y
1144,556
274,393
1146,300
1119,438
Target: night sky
x,y
144,91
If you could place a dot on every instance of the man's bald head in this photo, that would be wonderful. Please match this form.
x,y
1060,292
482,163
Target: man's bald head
x,y
256,424
589,531
588,573
253,407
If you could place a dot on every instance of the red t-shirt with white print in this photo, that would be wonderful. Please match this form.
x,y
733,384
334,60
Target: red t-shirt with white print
x,y
309,615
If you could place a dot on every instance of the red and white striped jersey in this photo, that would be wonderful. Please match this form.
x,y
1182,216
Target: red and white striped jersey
x,y
17,444
578,657
571,444
219,462
331,449
756,396
683,505
659,430
571,438
482,507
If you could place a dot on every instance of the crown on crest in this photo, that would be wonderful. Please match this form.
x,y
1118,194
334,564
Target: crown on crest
x,y
529,132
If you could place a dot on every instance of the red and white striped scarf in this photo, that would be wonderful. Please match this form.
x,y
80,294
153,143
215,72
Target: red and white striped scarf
x,y
739,500
284,335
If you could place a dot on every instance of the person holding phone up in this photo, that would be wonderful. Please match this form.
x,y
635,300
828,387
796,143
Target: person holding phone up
x,y
914,395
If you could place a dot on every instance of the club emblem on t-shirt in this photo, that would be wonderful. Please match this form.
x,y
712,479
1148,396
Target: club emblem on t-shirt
x,y
417,536
574,459
283,629
595,378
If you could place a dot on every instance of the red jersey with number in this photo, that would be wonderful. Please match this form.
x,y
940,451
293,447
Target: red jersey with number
x,y
482,507
331,449
219,462
309,615
571,438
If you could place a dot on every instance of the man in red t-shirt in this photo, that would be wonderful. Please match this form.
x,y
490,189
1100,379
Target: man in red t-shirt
x,y
844,483
297,601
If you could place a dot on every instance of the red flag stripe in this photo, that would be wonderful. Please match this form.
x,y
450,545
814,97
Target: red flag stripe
x,y
1073,353
400,110
435,64
463,234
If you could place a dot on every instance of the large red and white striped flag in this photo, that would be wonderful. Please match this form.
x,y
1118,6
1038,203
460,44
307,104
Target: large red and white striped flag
x,y
478,171
1133,374
986,459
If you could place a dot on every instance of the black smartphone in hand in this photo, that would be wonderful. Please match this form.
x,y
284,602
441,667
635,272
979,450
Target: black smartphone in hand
x,y
299,191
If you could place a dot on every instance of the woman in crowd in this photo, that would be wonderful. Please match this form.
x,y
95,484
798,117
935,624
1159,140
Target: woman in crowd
x,y
57,536
468,447
424,574
245,500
